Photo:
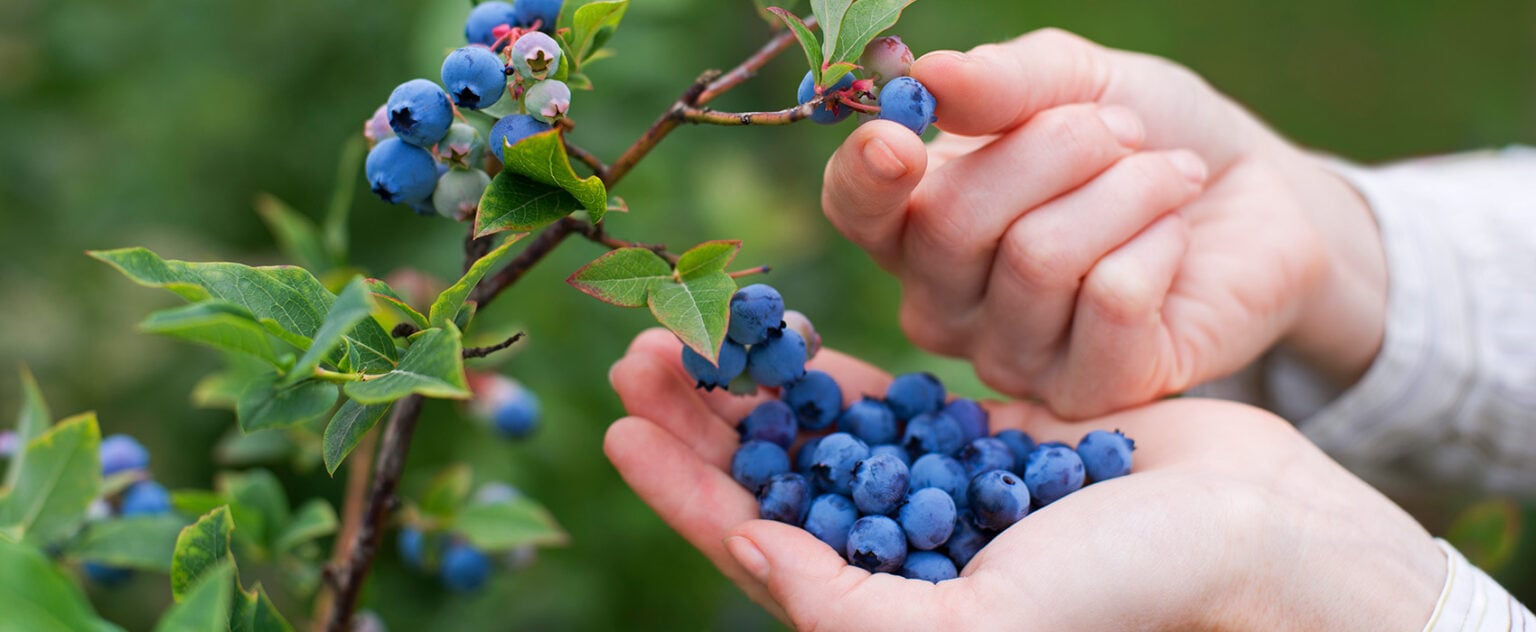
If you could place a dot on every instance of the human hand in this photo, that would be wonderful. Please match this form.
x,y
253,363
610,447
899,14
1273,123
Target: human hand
x,y
1098,228
1230,520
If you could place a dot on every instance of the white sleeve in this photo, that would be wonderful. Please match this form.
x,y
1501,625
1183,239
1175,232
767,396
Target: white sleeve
x,y
1471,601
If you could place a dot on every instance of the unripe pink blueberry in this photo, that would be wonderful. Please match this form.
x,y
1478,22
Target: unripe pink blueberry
x,y
536,56
886,58
802,325
376,128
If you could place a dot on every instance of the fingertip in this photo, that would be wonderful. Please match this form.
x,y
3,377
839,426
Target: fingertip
x,y
1190,165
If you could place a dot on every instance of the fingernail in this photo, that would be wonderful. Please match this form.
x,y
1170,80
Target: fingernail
x,y
748,556
951,55
1188,164
881,161
1123,124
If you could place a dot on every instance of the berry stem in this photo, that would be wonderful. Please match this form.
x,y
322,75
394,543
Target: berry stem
x,y
857,106
750,271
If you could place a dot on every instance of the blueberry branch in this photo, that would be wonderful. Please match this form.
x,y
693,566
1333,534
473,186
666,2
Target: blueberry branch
x,y
480,352
781,117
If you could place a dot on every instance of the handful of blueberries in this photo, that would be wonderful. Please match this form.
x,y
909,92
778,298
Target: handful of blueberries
x,y
906,483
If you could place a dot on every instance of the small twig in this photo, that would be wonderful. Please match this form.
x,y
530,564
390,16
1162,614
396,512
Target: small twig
x,y
476,247
781,117
538,247
358,469
597,233
658,130
480,352
750,271
586,157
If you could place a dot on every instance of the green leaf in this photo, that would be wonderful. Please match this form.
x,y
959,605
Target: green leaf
x,y
258,491
383,292
1488,533
622,277
514,202
218,324
696,310
806,38
315,519
32,420
350,308
589,20
537,159
706,258
447,491
59,477
264,404
201,549
833,72
864,21
289,300
347,429
36,597
206,606
253,611
139,542
433,366
507,525
830,13
334,232
763,6
223,389
297,236
196,502
116,483
448,304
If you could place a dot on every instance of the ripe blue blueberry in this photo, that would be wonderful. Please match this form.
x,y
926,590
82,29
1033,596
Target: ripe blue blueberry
x,y
1020,443
985,454
886,58
1105,455
816,399
806,457
1053,471
536,56
998,499
733,360
545,12
419,112
412,546
914,394
784,498
401,173
971,417
933,434
909,103
802,325
512,129
771,421
475,77
458,192
942,472
145,498
836,457
929,567
548,100
483,20
757,461
966,541
108,576
876,544
894,450
777,361
870,420
928,518
121,453
517,416
880,484
828,113
464,568
830,518
756,311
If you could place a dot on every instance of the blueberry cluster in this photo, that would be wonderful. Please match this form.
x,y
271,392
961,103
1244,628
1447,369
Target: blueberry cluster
x,y
505,406
451,558
912,482
123,455
421,157
888,93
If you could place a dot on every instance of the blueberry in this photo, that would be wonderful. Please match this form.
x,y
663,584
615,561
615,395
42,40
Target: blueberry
x,y
419,112
914,394
876,544
1053,471
545,12
894,450
145,498
401,173
710,375
464,568
1105,455
121,453
928,517
512,129
536,56
756,311
907,102
871,420
376,128
1020,443
771,421
412,546
757,461
830,518
933,434
828,113
880,484
518,416
985,454
886,58
929,567
816,399
463,146
484,19
777,361
836,457
109,576
966,541
942,472
802,325
458,192
806,457
784,498
475,77
548,100
971,417
998,499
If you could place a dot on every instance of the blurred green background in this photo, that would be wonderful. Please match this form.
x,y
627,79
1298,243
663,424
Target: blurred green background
x,y
156,123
